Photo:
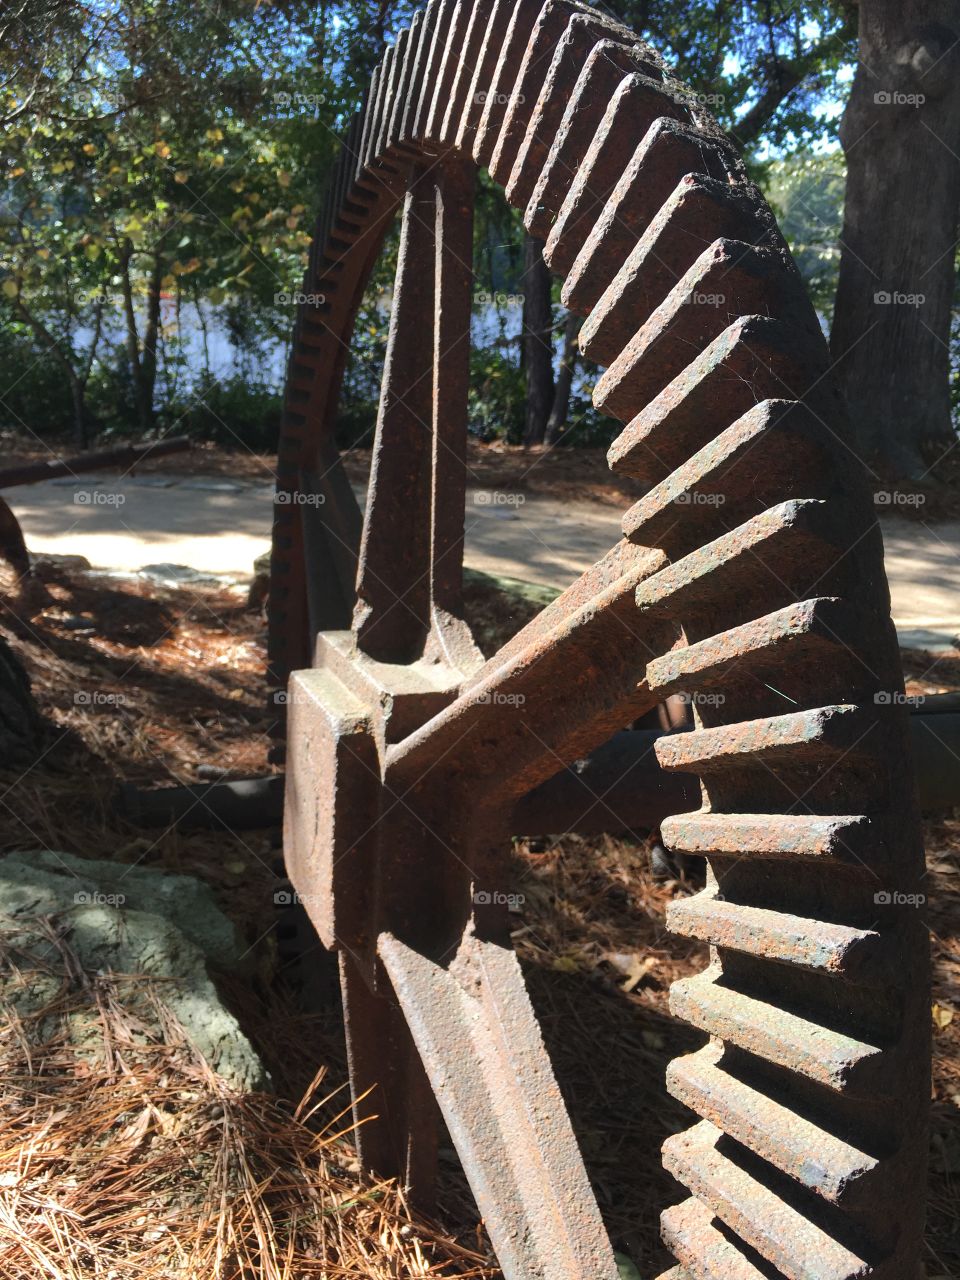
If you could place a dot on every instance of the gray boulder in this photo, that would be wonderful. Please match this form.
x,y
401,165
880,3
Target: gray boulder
x,y
133,920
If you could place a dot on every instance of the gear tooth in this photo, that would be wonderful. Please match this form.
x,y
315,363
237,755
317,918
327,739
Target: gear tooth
x,y
644,193
561,124
522,19
797,1245
578,194
688,1232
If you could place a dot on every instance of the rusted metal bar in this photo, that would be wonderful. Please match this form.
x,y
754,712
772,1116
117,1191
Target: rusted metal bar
x,y
560,688
477,1033
451,379
238,806
619,787
128,456
393,580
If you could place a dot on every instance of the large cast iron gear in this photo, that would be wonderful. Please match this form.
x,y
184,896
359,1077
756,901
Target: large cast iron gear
x,y
750,576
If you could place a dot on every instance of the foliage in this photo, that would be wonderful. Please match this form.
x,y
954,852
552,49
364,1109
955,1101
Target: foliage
x,y
806,193
165,162
769,70
496,406
181,165
235,410
36,399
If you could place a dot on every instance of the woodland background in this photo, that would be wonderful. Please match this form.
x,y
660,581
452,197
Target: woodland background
x,y
164,164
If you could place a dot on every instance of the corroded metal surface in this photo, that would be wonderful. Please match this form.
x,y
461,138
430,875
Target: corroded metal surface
x,y
749,579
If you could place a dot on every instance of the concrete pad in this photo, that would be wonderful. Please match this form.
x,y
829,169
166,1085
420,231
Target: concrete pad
x,y
121,524
221,526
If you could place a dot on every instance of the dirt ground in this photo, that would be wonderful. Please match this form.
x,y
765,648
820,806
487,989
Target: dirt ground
x,y
186,669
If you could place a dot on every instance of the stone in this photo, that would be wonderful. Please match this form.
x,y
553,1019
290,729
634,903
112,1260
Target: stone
x,y
126,920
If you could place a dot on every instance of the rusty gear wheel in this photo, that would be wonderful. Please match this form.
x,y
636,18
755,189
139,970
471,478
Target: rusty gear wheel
x,y
750,577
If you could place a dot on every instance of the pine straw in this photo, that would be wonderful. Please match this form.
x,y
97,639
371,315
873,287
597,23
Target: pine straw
x,y
136,1161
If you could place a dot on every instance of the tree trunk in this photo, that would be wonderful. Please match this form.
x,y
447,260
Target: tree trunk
x,y
133,337
901,136
537,341
21,725
143,357
561,394
79,413
148,362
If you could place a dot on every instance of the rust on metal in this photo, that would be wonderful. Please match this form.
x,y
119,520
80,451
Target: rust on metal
x,y
749,579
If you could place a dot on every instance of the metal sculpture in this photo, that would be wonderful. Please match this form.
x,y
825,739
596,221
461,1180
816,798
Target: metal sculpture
x,y
751,570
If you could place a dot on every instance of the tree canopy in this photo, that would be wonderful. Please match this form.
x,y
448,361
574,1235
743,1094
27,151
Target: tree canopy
x,y
165,163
